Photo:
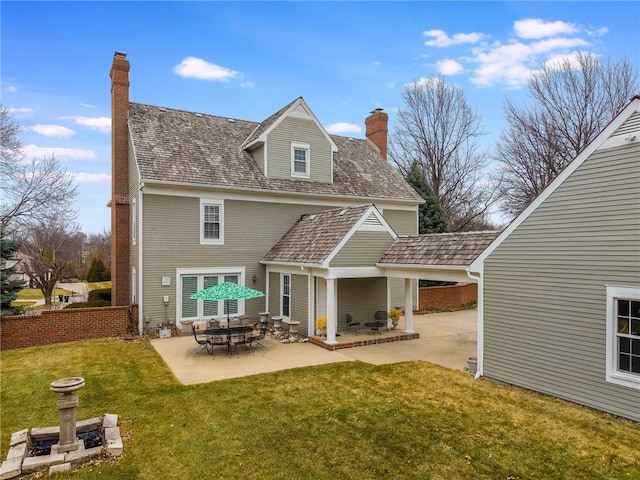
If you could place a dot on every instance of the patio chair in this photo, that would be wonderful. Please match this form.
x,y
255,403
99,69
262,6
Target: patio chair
x,y
352,323
203,342
241,339
256,339
382,317
218,341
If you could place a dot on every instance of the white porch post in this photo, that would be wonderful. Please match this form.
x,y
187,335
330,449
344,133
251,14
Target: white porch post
x,y
332,315
408,306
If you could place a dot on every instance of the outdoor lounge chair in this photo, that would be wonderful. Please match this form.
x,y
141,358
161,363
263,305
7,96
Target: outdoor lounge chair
x,y
352,323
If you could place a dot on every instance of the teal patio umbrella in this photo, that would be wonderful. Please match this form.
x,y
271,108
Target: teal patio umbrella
x,y
227,291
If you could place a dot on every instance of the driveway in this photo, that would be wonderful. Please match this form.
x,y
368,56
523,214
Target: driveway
x,y
446,339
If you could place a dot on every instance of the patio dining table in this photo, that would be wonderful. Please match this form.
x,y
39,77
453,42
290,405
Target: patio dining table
x,y
229,332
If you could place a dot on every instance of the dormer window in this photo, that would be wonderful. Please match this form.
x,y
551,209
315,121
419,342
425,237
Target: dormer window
x,y
300,159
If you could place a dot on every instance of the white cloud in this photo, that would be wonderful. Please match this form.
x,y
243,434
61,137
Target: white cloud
x,y
513,63
510,62
82,177
344,127
376,63
12,89
56,131
424,82
391,84
441,39
33,151
538,28
102,124
449,67
17,110
248,85
198,68
87,105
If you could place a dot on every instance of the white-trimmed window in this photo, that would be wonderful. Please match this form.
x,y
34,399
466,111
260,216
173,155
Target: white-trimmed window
x,y
286,295
300,157
191,281
134,220
211,221
623,336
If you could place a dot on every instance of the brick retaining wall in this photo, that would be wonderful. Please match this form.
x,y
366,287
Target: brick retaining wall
x,y
449,296
58,326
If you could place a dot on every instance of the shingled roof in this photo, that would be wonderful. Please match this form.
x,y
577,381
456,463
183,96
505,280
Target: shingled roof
x,y
315,236
187,147
441,249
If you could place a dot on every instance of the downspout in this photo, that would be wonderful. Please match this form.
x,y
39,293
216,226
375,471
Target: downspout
x,y
480,333
140,272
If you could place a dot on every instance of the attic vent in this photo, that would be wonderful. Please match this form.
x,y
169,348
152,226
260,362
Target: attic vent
x,y
311,217
300,112
162,109
631,125
231,120
342,212
198,114
372,221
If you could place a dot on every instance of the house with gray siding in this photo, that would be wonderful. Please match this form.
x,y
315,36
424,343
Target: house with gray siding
x,y
279,205
559,288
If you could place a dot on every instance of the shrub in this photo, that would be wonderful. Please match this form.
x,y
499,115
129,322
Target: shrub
x,y
100,294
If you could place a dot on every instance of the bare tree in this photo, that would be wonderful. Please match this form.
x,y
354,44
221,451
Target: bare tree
x,y
571,103
49,249
30,189
438,131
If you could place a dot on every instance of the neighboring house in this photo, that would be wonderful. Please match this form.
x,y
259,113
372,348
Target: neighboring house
x,y
200,199
559,291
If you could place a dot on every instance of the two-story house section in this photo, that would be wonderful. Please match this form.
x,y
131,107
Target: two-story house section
x,y
200,199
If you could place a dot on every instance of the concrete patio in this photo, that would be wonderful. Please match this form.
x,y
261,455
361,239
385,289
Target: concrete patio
x,y
446,339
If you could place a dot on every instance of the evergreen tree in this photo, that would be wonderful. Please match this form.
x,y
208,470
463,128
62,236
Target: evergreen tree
x,y
10,288
98,271
430,214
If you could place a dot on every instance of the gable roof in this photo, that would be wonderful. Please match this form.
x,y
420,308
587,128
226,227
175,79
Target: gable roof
x,y
296,108
618,132
438,249
179,147
314,238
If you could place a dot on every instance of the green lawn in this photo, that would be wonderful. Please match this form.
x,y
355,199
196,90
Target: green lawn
x,y
341,421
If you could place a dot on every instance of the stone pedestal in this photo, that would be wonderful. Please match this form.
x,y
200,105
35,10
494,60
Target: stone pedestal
x,y
67,403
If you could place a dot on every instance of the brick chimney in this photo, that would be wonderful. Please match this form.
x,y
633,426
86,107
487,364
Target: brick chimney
x,y
120,229
376,130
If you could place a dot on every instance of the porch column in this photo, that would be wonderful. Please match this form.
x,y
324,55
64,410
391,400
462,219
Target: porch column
x,y
332,316
408,307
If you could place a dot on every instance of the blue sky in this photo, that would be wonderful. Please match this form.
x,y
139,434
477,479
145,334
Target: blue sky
x,y
247,60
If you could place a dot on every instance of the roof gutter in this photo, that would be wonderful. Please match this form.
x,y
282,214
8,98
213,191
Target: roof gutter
x,y
284,193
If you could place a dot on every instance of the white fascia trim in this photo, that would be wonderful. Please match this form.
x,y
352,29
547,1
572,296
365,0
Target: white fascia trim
x,y
613,375
596,144
355,228
289,264
290,269
183,189
354,272
480,324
